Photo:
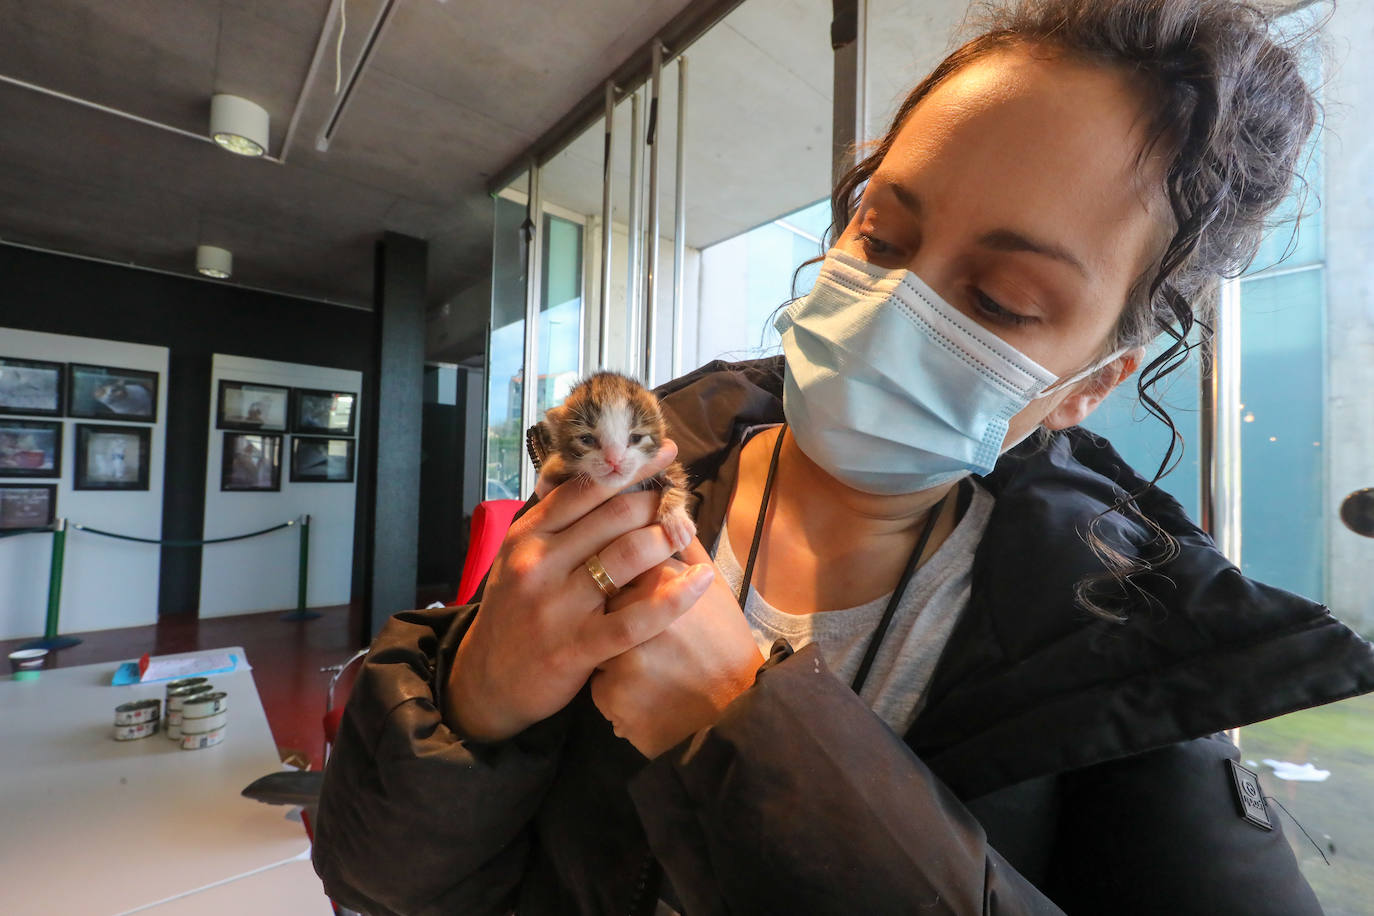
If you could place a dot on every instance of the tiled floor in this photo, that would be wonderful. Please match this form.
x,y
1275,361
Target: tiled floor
x,y
286,657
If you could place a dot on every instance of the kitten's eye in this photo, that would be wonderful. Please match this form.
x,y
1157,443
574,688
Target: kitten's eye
x,y
636,438
587,440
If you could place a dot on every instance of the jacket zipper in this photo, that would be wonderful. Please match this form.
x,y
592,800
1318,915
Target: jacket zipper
x,y
644,871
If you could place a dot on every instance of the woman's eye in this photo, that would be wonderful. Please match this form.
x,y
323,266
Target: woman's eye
x,y
989,307
874,247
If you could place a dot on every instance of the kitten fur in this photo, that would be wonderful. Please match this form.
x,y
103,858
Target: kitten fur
x,y
607,428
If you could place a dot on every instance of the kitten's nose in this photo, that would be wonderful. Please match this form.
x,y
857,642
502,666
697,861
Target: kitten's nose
x,y
614,459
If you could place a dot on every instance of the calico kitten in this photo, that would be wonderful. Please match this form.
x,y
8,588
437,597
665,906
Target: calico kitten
x,y
606,430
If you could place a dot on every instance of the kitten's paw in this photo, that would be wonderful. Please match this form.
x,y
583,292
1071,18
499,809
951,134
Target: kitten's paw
x,y
679,527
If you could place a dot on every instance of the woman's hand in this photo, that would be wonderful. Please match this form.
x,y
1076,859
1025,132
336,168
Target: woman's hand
x,y
542,628
678,682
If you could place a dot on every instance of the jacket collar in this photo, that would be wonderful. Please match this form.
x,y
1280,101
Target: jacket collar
x,y
1030,683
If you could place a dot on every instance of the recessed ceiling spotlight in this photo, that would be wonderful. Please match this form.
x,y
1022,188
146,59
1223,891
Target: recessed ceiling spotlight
x,y
238,125
214,262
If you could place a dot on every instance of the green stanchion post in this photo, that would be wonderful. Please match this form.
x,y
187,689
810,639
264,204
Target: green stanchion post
x,y
303,577
50,638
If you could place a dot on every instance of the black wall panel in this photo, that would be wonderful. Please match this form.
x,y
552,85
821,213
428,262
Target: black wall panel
x,y
193,319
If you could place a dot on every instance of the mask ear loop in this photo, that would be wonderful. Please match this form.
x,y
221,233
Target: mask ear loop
x,y
1079,376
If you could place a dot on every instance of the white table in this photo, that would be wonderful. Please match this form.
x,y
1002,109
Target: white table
x,y
90,825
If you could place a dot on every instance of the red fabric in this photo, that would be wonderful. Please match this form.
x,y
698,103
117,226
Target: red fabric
x,y
331,724
490,521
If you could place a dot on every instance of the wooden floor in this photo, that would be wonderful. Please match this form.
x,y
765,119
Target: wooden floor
x,y
286,657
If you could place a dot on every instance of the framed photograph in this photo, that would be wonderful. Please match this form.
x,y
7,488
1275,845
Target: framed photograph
x,y
248,405
106,393
252,461
322,413
30,448
27,505
31,387
112,457
321,460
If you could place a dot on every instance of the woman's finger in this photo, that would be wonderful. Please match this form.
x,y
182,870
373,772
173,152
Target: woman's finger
x,y
617,516
574,498
623,560
612,634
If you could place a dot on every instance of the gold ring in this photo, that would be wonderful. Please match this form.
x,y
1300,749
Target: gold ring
x,y
602,578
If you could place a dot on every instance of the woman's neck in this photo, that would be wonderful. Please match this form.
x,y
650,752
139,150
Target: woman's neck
x,y
808,499
826,546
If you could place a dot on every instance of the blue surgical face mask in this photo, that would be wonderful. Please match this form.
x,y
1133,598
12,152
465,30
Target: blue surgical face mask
x,y
890,389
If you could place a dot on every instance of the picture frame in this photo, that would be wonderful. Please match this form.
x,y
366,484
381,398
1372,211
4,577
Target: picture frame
x,y
251,462
321,460
27,505
32,387
323,413
111,393
30,448
252,406
112,457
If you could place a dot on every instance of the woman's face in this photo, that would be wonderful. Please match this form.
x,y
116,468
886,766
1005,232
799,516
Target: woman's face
x,y
1014,191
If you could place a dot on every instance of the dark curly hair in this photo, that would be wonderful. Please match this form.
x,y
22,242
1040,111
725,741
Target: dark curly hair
x,y
1227,109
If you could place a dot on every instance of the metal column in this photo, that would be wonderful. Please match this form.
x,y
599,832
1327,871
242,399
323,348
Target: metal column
x,y
529,388
651,252
634,233
679,216
1220,427
603,340
849,40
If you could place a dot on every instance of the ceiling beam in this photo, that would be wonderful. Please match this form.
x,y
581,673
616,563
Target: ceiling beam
x,y
691,23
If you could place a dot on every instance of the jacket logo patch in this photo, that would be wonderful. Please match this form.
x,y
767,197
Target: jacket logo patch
x,y
1249,796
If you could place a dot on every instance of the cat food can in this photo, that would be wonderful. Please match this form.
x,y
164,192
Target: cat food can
x,y
196,742
138,712
135,731
176,698
206,704
186,682
173,731
204,724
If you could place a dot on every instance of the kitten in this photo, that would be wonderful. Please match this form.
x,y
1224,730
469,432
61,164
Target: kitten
x,y
606,430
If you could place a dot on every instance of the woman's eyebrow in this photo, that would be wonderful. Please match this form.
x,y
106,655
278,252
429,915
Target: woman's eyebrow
x,y
1010,240
997,239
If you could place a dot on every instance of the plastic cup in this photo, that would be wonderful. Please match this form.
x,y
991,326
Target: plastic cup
x,y
26,663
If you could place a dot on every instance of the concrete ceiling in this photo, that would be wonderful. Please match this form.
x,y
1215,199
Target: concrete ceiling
x,y
454,90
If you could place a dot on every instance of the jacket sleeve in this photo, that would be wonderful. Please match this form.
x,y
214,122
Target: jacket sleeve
x,y
412,817
1161,832
800,800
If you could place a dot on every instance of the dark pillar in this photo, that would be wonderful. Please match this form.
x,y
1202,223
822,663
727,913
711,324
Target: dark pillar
x,y
396,417
183,487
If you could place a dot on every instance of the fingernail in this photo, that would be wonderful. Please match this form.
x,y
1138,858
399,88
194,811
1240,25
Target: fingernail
x,y
700,576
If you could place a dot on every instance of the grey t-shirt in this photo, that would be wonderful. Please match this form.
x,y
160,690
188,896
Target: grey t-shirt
x,y
934,598
936,595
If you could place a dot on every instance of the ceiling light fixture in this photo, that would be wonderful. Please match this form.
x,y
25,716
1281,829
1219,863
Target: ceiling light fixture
x,y
214,262
238,125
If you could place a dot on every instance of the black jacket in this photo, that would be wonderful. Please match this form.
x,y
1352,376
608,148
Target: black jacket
x,y
1061,762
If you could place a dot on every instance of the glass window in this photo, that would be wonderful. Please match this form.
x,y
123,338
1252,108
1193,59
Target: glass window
x,y
758,173
560,312
506,352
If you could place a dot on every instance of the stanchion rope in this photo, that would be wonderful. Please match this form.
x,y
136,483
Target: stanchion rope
x,y
176,543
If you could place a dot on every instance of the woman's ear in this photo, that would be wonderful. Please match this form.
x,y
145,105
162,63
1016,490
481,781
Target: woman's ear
x,y
1084,396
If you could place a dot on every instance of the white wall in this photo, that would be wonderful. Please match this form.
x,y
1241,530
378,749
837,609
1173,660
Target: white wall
x,y
106,583
260,573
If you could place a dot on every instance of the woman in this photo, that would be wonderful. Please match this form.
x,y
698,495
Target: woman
x,y
986,711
